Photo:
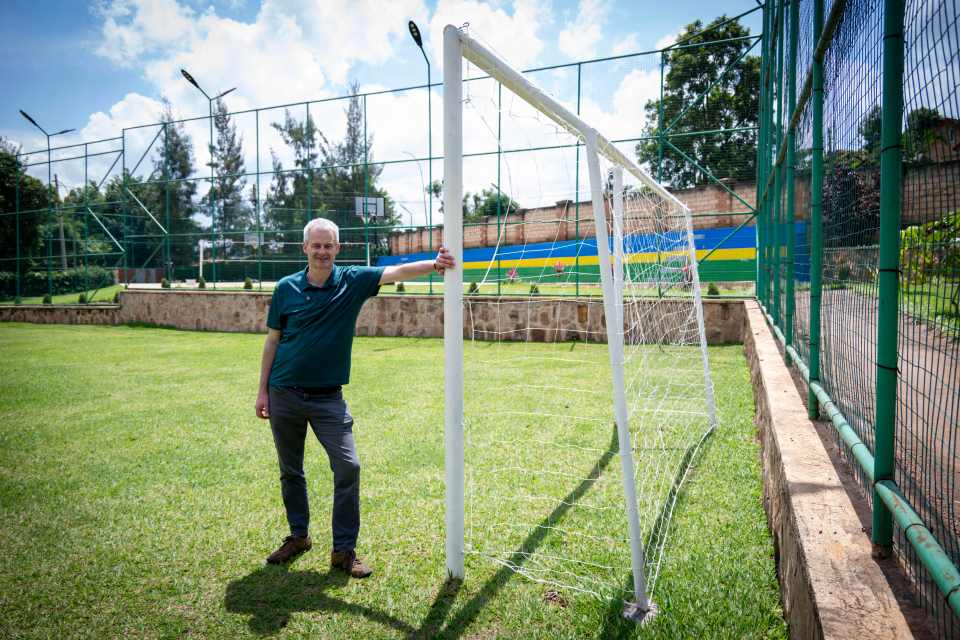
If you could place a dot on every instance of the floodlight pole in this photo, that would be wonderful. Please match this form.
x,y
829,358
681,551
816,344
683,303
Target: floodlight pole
x,y
415,33
212,194
49,193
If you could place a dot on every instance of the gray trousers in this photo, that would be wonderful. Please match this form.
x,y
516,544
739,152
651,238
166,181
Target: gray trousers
x,y
328,415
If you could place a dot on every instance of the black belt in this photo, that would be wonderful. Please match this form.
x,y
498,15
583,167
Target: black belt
x,y
317,391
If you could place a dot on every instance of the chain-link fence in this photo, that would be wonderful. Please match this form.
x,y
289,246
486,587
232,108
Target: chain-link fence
x,y
223,198
860,254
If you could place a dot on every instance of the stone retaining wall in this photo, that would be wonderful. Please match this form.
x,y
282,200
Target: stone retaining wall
x,y
485,318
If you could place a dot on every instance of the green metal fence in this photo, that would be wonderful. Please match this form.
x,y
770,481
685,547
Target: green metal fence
x,y
859,255
145,205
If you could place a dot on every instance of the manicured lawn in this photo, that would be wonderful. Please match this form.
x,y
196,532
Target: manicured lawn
x,y
139,497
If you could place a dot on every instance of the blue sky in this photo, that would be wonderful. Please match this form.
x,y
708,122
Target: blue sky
x,y
102,66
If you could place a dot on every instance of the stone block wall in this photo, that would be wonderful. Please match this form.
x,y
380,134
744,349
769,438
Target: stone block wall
x,y
485,318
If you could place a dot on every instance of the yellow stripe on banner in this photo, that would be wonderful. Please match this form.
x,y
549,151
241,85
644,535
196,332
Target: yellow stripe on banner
x,y
748,253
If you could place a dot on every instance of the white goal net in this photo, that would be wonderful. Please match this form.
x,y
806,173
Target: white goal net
x,y
572,420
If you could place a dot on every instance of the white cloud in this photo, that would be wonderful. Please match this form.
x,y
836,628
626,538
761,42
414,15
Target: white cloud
x,y
668,39
295,51
515,37
627,44
580,37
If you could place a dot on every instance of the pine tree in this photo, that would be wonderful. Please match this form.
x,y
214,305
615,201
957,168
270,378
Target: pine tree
x,y
226,193
173,168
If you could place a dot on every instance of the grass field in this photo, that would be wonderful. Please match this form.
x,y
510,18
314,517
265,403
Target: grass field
x,y
94,295
139,496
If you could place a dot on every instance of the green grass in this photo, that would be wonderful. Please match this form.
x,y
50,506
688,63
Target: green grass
x,y
94,295
140,495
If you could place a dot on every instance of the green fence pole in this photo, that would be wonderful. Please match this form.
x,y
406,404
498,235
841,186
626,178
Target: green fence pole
x,y
663,61
257,204
789,225
759,227
777,175
889,271
766,119
576,205
816,217
366,183
499,191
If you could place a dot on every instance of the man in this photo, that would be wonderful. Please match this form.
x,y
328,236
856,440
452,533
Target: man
x,y
306,361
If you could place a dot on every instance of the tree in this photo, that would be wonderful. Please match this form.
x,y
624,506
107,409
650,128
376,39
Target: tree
x,y
226,192
19,191
489,202
731,103
173,166
328,177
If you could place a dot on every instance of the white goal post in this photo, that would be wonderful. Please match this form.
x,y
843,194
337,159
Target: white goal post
x,y
458,46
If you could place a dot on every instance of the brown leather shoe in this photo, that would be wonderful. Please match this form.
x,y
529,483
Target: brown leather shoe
x,y
292,547
349,562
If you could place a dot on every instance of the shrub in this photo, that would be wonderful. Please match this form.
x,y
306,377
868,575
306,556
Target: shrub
x,y
73,280
164,283
712,289
247,283
82,299
534,290
201,283
400,287
116,298
47,299
474,288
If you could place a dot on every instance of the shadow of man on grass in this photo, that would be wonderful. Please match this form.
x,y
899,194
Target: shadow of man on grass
x,y
272,593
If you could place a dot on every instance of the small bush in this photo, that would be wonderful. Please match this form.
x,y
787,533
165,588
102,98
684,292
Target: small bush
x,y
534,290
712,289
400,287
164,283
247,283
47,299
116,298
18,300
82,298
474,288
201,283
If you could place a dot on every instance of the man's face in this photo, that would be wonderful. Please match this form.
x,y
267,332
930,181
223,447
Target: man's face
x,y
321,249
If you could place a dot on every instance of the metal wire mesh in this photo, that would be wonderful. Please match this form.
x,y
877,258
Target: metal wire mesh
x,y
926,465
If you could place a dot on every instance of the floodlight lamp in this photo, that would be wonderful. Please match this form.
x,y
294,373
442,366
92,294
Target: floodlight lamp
x,y
415,32
225,93
62,132
190,78
27,116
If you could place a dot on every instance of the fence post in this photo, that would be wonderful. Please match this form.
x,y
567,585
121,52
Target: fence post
x,y
760,228
789,224
889,272
778,173
816,216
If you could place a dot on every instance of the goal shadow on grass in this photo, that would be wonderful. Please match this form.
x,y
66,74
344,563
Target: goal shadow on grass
x,y
469,611
271,594
615,625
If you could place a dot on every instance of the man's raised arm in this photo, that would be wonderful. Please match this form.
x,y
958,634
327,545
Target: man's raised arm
x,y
411,270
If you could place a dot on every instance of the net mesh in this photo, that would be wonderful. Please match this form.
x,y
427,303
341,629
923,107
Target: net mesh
x,y
563,523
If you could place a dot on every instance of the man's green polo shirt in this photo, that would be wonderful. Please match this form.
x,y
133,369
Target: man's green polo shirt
x,y
317,325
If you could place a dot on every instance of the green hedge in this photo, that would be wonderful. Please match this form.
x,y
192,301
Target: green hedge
x,y
34,283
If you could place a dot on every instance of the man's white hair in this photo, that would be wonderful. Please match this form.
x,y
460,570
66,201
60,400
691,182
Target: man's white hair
x,y
321,223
